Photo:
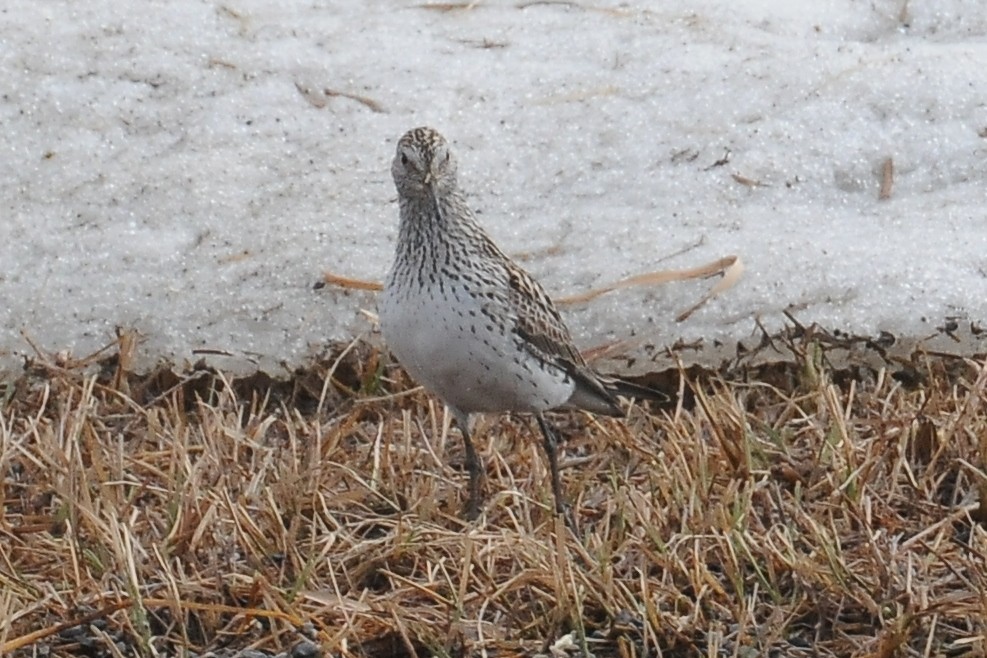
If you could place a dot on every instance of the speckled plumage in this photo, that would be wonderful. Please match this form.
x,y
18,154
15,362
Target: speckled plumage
x,y
467,322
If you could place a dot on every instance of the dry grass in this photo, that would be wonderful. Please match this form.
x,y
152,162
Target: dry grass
x,y
197,512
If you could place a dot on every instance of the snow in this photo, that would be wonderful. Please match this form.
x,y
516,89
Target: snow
x,y
163,170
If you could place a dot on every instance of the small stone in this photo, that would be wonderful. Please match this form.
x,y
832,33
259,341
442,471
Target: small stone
x,y
306,649
253,653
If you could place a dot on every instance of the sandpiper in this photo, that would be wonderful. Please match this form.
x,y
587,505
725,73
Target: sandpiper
x,y
472,326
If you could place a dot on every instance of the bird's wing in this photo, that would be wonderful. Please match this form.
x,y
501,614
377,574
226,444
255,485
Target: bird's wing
x,y
545,336
538,322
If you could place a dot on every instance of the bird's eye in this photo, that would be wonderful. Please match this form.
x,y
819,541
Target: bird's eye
x,y
404,159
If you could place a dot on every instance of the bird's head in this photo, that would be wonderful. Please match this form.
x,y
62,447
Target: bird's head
x,y
423,164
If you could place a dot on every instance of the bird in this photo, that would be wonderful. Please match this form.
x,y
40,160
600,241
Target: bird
x,y
472,326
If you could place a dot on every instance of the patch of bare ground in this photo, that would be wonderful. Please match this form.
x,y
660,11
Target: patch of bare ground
x,y
782,510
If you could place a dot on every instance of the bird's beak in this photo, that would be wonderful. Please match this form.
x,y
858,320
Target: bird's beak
x,y
428,178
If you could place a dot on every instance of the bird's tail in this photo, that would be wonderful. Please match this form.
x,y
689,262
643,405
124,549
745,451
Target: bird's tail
x,y
627,389
597,393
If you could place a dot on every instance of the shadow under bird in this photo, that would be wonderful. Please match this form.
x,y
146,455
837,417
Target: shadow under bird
x,y
472,326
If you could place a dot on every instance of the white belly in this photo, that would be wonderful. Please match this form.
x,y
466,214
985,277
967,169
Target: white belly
x,y
452,349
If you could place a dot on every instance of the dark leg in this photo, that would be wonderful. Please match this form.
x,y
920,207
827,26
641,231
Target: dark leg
x,y
475,469
551,449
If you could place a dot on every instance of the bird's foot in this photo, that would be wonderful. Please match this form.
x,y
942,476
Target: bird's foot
x,y
564,510
474,504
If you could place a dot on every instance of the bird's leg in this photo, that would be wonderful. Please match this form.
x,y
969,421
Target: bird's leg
x,y
475,468
551,444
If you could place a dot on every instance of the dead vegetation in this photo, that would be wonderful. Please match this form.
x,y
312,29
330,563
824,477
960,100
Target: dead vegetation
x,y
801,512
